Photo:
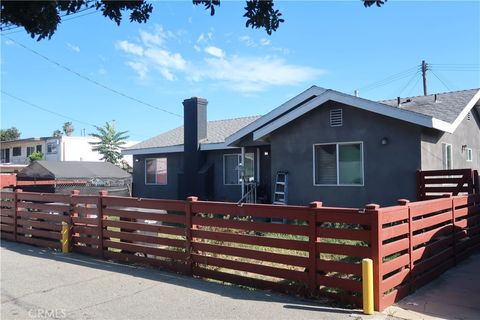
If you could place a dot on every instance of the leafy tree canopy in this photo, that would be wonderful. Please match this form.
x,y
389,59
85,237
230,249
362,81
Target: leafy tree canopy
x,y
57,134
110,142
41,18
9,134
68,128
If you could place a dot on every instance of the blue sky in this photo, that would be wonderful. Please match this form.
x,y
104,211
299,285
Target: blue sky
x,y
182,51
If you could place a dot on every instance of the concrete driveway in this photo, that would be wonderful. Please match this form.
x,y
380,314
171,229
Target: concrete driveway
x,y
38,283
454,295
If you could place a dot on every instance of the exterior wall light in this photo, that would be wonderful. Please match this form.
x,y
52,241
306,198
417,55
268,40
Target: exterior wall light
x,y
384,141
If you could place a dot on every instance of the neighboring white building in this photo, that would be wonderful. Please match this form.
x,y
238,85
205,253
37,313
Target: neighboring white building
x,y
62,148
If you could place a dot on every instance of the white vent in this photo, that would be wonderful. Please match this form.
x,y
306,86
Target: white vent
x,y
336,118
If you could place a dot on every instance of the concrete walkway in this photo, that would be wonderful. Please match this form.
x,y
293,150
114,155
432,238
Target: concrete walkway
x,y
38,283
454,295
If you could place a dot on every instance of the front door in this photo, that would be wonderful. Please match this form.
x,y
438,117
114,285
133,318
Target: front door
x,y
265,181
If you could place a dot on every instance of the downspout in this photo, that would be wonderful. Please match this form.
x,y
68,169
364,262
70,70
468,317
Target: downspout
x,y
242,172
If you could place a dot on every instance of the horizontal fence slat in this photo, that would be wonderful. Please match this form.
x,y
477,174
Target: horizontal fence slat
x,y
252,210
395,247
39,224
83,199
169,205
91,231
352,216
394,280
144,238
252,226
43,216
6,220
43,197
251,268
433,261
337,266
85,211
87,240
43,206
7,195
394,214
395,264
433,180
334,282
395,231
85,221
431,221
430,248
344,249
7,236
144,227
7,212
446,189
432,234
429,206
252,254
8,228
252,240
449,172
146,250
343,233
393,296
40,233
164,217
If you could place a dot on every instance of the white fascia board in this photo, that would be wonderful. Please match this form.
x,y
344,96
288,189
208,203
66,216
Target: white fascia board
x,y
215,146
464,112
357,102
169,149
312,91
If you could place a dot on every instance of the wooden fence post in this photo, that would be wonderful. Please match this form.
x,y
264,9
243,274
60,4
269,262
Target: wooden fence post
x,y
405,202
420,185
71,214
376,243
15,213
476,182
100,217
188,233
312,248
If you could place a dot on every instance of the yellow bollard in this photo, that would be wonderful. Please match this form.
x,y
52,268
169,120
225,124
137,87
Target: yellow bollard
x,y
65,237
367,282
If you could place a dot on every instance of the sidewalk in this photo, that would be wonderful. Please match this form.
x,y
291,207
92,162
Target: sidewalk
x,y
454,295
38,283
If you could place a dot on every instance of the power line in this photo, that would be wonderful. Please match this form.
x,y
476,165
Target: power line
x,y
408,83
390,79
440,80
58,64
44,109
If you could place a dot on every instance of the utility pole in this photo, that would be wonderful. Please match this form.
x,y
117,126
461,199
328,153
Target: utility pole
x,y
424,76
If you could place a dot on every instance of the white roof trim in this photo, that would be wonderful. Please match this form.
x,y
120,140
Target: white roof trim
x,y
464,112
177,148
169,149
360,103
312,91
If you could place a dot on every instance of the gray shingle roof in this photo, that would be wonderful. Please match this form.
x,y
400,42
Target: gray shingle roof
x,y
448,107
43,169
217,131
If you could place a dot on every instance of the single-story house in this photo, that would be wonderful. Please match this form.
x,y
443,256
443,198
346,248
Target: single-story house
x,y
89,177
337,148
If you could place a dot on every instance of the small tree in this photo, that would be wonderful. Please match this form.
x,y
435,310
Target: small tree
x,y
110,142
57,134
68,128
9,134
35,156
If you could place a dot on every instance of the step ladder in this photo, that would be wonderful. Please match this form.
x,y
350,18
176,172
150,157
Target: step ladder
x,y
281,188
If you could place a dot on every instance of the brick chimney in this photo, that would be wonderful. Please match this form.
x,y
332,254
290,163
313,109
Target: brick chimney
x,y
194,130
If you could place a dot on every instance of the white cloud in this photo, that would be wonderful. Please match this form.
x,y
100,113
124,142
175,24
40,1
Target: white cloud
x,y
73,47
265,42
215,51
164,58
248,41
129,47
140,68
9,42
205,38
197,48
253,74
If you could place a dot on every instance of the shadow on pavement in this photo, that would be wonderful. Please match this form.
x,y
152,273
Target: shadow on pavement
x,y
151,273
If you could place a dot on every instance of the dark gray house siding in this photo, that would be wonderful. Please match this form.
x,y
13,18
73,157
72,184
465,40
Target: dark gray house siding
x,y
467,134
168,191
389,170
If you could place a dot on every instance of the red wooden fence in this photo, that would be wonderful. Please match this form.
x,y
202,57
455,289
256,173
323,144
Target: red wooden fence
x,y
432,184
318,252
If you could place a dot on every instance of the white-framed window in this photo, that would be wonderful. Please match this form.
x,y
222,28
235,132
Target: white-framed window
x,y
30,150
469,154
338,164
51,147
156,171
232,169
447,160
38,148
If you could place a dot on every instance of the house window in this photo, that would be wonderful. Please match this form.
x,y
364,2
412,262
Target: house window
x,y
38,148
30,150
51,147
17,151
338,164
447,156
5,156
469,154
232,170
336,118
156,171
